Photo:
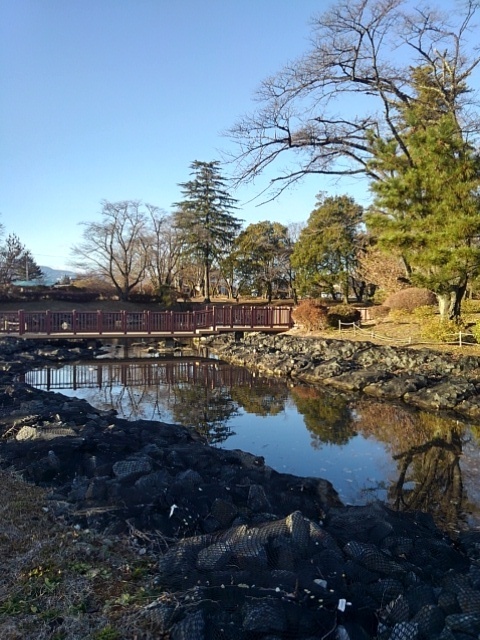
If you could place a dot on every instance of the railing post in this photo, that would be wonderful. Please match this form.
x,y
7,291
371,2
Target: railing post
x,y
99,321
251,316
214,320
48,322
147,321
74,322
21,322
172,328
124,322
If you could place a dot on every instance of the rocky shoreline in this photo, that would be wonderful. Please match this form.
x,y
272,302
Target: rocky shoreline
x,y
247,552
419,377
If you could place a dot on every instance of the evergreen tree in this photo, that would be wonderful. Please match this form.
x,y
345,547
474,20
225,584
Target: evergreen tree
x,y
427,207
325,254
17,262
262,256
204,218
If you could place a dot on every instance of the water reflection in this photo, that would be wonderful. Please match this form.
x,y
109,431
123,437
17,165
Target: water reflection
x,y
366,448
206,408
428,450
328,417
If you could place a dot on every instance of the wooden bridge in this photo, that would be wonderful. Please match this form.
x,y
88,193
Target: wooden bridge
x,y
137,324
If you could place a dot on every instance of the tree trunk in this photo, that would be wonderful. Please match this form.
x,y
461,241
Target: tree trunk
x,y
359,287
206,291
459,295
449,304
346,288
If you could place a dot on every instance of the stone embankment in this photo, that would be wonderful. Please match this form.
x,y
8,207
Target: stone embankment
x,y
423,378
247,553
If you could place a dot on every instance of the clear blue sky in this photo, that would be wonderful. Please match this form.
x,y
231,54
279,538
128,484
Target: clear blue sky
x,y
113,99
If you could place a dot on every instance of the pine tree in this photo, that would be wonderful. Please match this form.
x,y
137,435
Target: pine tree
x,y
426,207
17,262
204,218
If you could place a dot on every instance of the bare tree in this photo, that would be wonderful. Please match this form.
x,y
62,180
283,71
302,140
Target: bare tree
x,y
164,249
116,247
324,110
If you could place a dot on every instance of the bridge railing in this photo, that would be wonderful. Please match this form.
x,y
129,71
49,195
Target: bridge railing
x,y
208,318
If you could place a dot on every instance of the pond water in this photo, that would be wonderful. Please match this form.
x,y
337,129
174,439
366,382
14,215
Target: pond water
x,y
368,449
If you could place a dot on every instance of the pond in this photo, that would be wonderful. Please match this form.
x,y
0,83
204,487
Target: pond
x,y
366,448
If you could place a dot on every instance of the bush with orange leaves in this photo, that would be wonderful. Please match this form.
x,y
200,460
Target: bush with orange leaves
x,y
411,298
311,314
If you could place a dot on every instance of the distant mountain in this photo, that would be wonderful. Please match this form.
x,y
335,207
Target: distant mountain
x,y
54,275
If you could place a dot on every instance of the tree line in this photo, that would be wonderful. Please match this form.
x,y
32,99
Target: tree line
x,y
384,92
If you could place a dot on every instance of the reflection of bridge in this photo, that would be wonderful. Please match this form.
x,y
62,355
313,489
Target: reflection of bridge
x,y
137,324
152,372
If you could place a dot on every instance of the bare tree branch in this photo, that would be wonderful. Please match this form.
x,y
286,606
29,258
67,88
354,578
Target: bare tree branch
x,y
320,113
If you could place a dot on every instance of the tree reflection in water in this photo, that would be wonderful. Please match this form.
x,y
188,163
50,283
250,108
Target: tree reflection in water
x,y
326,415
430,461
205,409
428,449
261,397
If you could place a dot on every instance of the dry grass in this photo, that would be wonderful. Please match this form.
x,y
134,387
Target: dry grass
x,y
396,333
61,583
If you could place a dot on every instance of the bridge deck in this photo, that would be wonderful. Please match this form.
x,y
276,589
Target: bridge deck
x,y
140,324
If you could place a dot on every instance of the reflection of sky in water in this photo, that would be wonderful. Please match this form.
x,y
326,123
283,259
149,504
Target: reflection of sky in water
x,y
355,469
359,470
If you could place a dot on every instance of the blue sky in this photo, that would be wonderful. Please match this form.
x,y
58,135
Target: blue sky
x,y
113,99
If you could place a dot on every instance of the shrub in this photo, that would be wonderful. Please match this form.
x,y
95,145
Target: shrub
x,y
379,296
438,330
471,306
424,311
342,313
167,295
399,315
475,331
411,298
378,311
311,314
146,298
73,295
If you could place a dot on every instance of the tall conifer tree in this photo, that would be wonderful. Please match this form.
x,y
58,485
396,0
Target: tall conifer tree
x,y
427,206
204,218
